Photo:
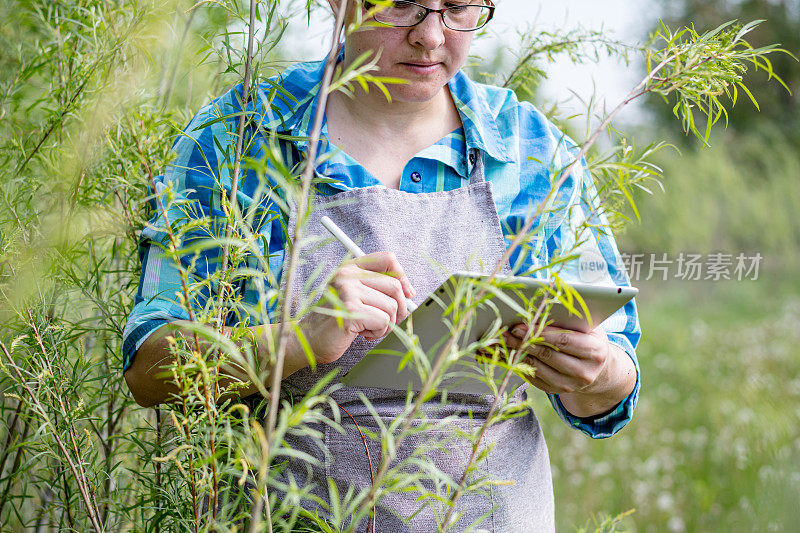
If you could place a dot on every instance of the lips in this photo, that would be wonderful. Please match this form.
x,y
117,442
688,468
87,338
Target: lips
x,y
422,63
419,67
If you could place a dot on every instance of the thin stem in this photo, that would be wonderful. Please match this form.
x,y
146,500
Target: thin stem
x,y
636,92
487,421
80,478
215,87
186,435
533,52
14,464
108,450
234,210
173,240
176,64
157,495
9,436
55,123
68,498
302,208
63,403
371,526
294,257
185,289
237,156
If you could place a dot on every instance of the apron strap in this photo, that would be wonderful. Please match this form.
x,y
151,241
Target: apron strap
x,y
475,159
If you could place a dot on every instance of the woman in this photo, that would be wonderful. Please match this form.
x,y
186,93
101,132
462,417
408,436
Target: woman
x,y
481,159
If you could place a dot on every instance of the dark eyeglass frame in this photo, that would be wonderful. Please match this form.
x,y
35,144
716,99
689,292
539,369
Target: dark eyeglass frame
x,y
487,4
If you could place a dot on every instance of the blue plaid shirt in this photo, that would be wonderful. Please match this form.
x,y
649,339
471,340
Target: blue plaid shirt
x,y
522,152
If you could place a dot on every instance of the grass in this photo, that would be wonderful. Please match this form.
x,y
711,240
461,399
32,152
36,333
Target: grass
x,y
715,442
96,92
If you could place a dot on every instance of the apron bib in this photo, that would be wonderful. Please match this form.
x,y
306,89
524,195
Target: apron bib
x,y
432,235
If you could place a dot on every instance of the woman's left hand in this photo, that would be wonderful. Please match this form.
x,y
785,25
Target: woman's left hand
x,y
567,361
589,374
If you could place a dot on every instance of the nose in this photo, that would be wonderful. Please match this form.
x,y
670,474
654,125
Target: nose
x,y
429,33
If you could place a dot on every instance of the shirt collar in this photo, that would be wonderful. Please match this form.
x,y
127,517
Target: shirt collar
x,y
480,124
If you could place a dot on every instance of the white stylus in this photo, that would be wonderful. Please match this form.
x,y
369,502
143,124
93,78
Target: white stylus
x,y
353,248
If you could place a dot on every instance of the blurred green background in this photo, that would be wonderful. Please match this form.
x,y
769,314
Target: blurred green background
x,y
715,444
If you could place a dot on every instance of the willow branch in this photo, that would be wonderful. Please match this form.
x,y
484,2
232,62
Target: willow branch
x,y
173,240
302,208
636,92
82,482
294,257
237,156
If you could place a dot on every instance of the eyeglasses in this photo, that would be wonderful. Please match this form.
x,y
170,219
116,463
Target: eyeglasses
x,y
464,15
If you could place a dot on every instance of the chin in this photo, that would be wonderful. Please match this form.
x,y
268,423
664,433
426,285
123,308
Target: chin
x,y
415,94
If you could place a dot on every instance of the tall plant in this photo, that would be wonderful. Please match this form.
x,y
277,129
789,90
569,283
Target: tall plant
x,y
90,103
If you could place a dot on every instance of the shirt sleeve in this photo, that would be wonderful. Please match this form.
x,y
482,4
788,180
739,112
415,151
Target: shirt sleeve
x,y
189,192
585,234
156,302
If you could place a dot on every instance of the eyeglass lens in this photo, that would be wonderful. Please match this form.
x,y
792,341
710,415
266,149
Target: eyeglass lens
x,y
458,15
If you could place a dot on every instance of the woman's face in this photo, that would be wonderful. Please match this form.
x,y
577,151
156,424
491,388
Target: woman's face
x,y
427,55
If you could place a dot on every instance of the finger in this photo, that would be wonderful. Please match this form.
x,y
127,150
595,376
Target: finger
x,y
583,345
553,380
541,385
521,330
569,372
380,301
350,280
372,322
592,346
387,263
514,343
562,362
388,286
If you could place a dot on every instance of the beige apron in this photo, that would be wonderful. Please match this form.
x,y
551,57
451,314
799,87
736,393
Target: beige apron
x,y
455,230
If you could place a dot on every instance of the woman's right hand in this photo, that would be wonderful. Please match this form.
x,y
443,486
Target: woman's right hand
x,y
373,290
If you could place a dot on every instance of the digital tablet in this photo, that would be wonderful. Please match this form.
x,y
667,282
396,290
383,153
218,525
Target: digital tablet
x,y
507,301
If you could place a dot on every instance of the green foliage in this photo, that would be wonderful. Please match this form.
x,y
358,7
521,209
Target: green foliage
x,y
738,195
778,109
605,524
699,69
92,98
579,45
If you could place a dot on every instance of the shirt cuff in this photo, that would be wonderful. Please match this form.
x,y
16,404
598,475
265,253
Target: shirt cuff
x,y
133,339
606,424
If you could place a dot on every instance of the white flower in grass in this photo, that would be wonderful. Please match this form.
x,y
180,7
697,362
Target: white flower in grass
x,y
676,524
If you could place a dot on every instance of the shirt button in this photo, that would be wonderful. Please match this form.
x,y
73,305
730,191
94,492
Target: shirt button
x,y
416,177
472,158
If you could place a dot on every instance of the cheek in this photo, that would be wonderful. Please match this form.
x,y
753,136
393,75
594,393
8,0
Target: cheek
x,y
459,43
458,49
364,40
